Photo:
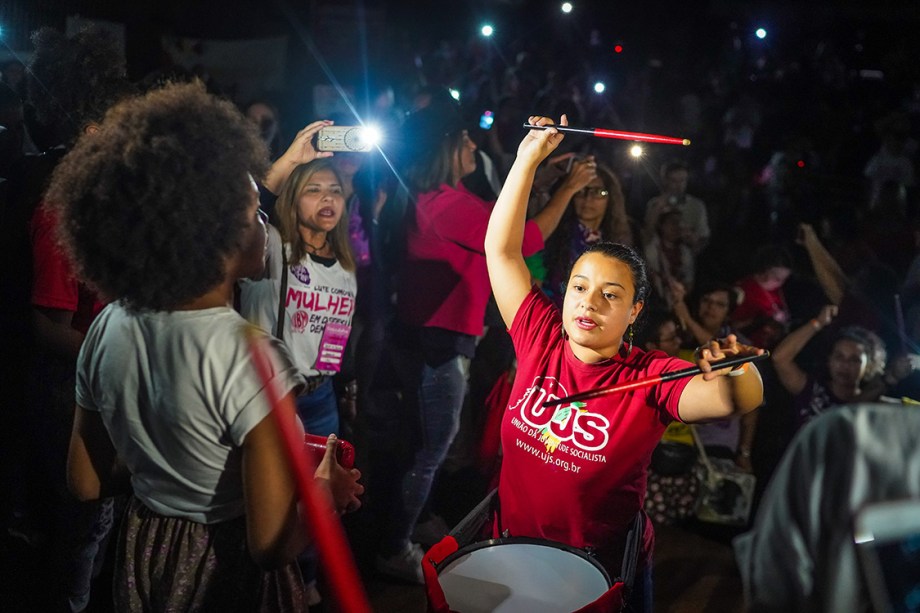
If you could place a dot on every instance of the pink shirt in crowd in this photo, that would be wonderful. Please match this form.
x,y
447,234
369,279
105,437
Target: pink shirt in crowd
x,y
445,283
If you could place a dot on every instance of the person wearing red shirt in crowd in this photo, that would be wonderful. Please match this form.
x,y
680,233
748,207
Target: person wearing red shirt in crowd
x,y
576,473
81,76
762,314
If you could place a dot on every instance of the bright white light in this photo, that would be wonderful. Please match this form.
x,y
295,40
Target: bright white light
x,y
760,33
599,87
371,135
636,151
487,30
454,93
566,7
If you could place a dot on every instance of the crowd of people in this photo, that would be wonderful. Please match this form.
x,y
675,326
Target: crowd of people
x,y
147,223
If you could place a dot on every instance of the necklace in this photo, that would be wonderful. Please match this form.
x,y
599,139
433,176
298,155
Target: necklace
x,y
316,249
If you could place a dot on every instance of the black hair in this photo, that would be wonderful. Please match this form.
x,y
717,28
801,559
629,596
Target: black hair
x,y
153,204
651,327
874,346
434,135
771,256
712,288
628,256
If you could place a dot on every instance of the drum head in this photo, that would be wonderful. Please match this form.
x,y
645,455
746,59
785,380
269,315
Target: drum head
x,y
520,575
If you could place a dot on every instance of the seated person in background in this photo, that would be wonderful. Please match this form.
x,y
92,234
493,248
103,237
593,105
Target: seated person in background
x,y
671,486
694,218
710,318
855,362
159,212
728,438
669,259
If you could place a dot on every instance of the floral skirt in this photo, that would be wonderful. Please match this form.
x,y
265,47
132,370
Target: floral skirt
x,y
671,499
174,564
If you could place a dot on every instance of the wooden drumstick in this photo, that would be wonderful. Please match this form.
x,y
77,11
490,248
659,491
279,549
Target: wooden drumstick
x,y
649,381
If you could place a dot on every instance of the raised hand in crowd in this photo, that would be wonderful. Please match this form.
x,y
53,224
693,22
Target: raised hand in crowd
x,y
301,151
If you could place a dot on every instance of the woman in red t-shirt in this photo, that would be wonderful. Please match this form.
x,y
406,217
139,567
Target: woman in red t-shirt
x,y
576,474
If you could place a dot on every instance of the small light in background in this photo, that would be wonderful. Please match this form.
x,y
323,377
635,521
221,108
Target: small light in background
x,y
599,87
800,163
567,7
618,49
487,30
636,151
454,93
760,33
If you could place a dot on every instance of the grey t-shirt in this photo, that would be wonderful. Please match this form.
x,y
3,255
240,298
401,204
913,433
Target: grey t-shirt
x,y
178,394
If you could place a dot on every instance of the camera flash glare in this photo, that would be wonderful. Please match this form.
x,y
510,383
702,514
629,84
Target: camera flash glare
x,y
371,135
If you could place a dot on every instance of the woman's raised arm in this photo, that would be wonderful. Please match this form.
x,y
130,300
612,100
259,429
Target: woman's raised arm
x,y
505,235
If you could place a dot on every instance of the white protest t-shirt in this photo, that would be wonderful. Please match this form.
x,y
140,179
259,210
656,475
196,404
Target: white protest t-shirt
x,y
319,305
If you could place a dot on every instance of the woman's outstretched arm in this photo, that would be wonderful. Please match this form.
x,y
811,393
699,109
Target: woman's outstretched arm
x,y
505,235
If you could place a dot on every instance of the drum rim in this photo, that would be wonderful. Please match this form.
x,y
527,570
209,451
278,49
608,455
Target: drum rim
x,y
524,540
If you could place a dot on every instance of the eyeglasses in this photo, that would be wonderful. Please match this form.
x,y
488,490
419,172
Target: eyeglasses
x,y
594,192
262,215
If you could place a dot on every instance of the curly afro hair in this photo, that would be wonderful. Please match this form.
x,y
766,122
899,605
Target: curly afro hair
x,y
152,204
75,80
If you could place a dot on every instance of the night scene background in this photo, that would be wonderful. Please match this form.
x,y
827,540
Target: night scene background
x,y
785,103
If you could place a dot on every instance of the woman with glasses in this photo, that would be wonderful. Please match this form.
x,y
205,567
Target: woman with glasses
x,y
597,212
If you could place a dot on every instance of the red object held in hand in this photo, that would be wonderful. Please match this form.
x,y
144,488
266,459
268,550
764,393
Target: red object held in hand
x,y
316,445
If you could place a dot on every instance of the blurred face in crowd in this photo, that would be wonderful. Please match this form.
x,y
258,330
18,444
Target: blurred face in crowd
x,y
669,229
847,363
464,162
591,204
675,182
254,241
773,278
347,163
321,203
668,338
598,306
714,309
263,116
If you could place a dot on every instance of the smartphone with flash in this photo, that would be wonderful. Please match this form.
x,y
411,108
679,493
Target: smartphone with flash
x,y
887,536
356,139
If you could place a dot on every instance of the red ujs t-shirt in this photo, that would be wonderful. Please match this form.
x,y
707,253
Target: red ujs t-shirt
x,y
54,284
577,475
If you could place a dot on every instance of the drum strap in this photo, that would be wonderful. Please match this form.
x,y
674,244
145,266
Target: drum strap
x,y
634,538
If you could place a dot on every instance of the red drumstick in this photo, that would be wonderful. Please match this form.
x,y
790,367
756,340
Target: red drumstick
x,y
605,133
319,518
649,381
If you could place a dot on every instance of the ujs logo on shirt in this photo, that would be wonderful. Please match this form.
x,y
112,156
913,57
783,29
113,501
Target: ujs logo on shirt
x,y
580,427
